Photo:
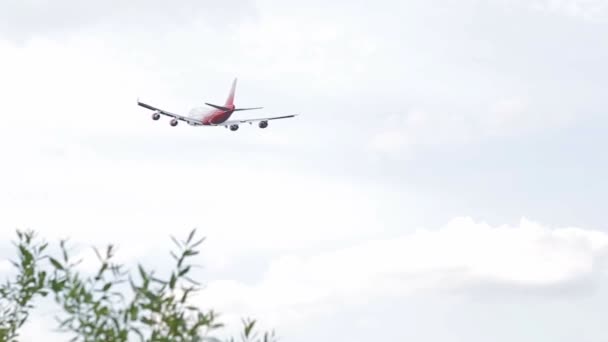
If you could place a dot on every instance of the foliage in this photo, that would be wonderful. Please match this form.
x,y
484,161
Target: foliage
x,y
17,295
113,304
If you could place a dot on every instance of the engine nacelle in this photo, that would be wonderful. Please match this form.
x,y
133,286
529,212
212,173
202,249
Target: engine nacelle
x,y
234,127
263,124
173,122
155,116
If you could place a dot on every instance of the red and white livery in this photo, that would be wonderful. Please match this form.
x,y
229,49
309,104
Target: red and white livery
x,y
216,116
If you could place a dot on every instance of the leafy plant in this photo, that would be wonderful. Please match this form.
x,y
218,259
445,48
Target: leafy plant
x,y
113,304
17,295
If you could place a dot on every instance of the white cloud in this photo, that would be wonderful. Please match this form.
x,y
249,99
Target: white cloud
x,y
82,160
402,135
463,254
587,9
246,210
584,9
30,18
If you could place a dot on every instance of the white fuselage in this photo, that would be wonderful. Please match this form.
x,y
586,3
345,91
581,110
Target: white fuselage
x,y
199,113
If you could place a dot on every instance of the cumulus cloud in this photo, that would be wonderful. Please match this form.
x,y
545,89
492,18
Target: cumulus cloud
x,y
462,255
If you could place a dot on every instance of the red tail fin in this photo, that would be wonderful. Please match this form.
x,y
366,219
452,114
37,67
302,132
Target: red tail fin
x,y
230,100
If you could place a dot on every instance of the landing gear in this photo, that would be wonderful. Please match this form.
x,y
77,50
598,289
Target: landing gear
x,y
173,122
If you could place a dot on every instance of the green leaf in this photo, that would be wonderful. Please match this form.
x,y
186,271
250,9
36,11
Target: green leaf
x,y
179,245
65,254
158,281
147,321
190,252
122,335
184,271
57,286
192,281
191,235
172,281
116,270
110,251
151,296
194,245
41,279
249,327
185,295
217,325
133,311
103,268
106,287
97,253
56,264
142,273
27,256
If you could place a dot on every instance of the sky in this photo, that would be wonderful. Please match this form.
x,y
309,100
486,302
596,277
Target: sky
x,y
444,180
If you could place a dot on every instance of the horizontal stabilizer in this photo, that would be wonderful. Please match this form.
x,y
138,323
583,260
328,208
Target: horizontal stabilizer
x,y
237,109
217,107
228,109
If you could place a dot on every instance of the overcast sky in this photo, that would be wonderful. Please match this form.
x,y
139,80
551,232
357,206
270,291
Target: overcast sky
x,y
446,179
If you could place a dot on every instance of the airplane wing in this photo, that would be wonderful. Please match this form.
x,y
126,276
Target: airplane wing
x,y
164,112
232,122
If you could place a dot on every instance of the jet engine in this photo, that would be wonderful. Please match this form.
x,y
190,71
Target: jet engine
x,y
263,124
173,122
155,116
234,127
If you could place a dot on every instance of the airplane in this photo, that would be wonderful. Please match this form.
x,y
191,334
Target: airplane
x,y
217,116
